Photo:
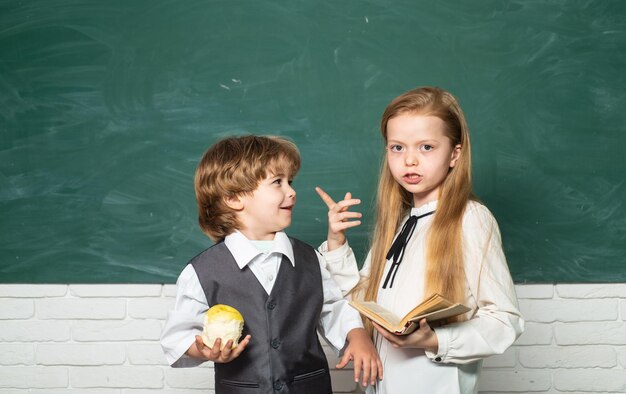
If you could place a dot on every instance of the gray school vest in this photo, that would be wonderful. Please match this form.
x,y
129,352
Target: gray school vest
x,y
284,355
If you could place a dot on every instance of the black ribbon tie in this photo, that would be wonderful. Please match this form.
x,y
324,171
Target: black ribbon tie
x,y
399,246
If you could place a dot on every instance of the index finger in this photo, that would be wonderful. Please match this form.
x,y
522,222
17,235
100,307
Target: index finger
x,y
325,197
242,345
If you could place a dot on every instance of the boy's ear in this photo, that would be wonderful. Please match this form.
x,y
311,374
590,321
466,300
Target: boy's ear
x,y
234,202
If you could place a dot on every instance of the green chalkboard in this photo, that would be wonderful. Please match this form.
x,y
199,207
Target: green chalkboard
x,y
107,106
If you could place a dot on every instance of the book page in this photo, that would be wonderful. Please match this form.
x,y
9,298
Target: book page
x,y
433,303
454,310
376,312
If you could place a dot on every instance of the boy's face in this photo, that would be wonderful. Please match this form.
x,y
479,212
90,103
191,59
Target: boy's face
x,y
268,208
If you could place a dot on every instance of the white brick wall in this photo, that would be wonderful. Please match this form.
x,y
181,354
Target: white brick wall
x,y
104,339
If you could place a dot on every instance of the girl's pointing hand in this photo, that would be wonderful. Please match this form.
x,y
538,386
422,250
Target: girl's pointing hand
x,y
339,217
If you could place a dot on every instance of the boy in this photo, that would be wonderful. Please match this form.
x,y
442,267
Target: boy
x,y
279,284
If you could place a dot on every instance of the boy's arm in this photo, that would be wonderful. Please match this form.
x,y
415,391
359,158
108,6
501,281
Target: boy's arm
x,y
185,321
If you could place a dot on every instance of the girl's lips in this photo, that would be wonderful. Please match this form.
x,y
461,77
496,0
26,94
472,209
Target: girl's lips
x,y
412,179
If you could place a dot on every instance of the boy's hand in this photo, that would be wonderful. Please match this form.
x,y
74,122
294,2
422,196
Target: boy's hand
x,y
362,352
424,337
200,350
339,217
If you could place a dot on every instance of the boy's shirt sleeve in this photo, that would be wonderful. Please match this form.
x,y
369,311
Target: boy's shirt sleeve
x,y
338,318
185,321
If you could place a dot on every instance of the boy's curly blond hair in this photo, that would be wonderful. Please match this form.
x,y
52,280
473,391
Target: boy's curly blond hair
x,y
232,167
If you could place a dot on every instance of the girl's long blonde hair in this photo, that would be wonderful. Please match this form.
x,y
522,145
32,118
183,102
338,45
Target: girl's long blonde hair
x,y
444,255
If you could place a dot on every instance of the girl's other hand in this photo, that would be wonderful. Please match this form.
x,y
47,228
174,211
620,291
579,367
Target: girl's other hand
x,y
363,354
339,217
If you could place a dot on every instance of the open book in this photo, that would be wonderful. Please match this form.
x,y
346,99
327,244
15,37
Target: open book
x,y
433,308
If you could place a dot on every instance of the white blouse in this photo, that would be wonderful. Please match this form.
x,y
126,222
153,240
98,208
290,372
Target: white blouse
x,y
493,324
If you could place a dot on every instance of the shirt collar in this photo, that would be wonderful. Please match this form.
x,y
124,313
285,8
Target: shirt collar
x,y
426,208
244,251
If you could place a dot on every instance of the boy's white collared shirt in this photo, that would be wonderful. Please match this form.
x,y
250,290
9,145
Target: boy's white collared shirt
x,y
263,265
186,319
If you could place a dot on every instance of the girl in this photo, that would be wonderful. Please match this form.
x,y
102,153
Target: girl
x,y
431,235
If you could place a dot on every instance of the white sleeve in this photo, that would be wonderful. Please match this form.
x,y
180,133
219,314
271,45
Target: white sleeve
x,y
185,321
342,266
338,318
496,322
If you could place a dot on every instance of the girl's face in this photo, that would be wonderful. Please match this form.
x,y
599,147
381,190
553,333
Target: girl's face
x,y
419,155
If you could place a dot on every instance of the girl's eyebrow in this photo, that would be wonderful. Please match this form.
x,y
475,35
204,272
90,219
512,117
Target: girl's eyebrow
x,y
426,141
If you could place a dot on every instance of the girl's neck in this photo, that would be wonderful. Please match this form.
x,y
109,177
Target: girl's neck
x,y
424,208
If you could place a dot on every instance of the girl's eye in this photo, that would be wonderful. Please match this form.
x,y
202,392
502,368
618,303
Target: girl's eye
x,y
395,148
427,147
277,181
